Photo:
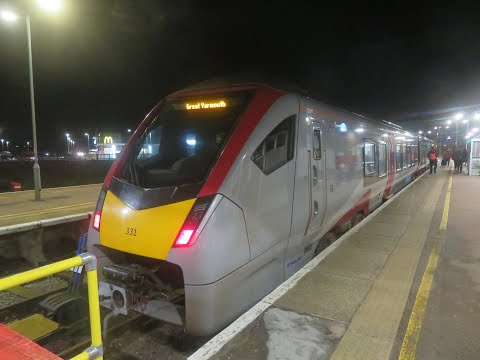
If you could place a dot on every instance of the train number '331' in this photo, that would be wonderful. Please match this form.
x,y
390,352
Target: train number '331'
x,y
131,231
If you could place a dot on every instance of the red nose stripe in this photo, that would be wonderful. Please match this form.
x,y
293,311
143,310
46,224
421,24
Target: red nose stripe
x,y
263,100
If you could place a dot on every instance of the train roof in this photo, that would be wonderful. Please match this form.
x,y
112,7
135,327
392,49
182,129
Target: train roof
x,y
245,84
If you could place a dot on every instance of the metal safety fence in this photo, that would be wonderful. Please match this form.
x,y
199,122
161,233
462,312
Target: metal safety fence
x,y
95,351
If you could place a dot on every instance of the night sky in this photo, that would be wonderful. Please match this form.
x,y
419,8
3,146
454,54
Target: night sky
x,y
101,65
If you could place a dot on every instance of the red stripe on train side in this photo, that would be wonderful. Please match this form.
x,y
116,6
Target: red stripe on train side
x,y
264,98
363,205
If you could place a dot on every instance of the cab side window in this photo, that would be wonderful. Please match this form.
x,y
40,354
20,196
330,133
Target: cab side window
x,y
277,148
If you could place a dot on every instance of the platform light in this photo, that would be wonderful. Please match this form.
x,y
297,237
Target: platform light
x,y
448,137
400,138
476,116
9,16
359,130
474,130
429,131
465,121
420,132
458,116
385,135
449,122
191,142
435,128
447,127
50,5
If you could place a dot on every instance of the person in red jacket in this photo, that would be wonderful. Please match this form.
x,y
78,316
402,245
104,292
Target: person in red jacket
x,y
433,157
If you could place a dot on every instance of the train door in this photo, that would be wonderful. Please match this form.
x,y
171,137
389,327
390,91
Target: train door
x,y
317,177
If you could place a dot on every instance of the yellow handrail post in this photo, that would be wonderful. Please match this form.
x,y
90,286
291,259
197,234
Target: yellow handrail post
x,y
90,262
96,350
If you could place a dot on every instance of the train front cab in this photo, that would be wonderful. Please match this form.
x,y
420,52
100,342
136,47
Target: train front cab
x,y
188,228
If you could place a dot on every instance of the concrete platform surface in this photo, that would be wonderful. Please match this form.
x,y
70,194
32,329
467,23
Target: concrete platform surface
x,y
20,207
355,302
450,328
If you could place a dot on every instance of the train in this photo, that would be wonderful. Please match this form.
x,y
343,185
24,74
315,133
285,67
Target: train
x,y
226,190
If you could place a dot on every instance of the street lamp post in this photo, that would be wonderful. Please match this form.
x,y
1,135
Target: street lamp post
x,y
88,142
2,140
8,142
36,167
9,16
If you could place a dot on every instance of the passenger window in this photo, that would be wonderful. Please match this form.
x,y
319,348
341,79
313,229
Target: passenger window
x,y
277,148
404,156
382,159
399,157
317,144
369,159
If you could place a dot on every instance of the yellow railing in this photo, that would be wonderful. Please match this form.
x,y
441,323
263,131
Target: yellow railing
x,y
95,351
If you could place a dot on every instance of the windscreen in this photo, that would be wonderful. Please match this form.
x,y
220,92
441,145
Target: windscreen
x,y
184,141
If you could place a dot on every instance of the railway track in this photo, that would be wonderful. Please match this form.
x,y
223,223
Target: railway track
x,y
127,337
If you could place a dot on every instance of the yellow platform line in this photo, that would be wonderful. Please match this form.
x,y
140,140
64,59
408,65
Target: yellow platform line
x,y
44,211
412,334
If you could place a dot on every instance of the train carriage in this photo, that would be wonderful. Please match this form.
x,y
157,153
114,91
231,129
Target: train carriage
x,y
223,192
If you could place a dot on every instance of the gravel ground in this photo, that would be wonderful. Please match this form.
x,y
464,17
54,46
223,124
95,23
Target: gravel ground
x,y
8,299
161,342
47,285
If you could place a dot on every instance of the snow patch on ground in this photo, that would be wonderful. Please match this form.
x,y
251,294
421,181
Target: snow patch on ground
x,y
294,336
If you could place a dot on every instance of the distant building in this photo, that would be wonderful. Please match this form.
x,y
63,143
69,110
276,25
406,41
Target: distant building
x,y
107,146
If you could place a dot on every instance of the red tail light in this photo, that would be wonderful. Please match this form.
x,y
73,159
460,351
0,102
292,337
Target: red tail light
x,y
186,236
96,221
97,217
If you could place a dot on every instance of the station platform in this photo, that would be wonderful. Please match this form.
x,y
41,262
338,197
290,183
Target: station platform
x,y
20,207
403,284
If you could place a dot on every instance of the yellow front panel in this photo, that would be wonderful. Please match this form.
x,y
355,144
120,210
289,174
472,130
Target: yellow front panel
x,y
149,232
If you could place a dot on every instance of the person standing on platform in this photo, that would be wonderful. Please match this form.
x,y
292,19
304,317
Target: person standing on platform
x,y
458,159
433,157
447,156
464,158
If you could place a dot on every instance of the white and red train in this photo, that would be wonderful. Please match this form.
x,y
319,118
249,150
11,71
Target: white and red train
x,y
223,192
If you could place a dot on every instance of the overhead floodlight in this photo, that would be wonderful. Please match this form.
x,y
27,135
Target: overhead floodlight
x,y
429,131
50,5
9,16
448,138
458,116
476,116
449,122
447,127
420,132
435,128
465,121
359,130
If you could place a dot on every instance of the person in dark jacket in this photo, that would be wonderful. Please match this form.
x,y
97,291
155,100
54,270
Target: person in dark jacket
x,y
433,157
464,158
458,160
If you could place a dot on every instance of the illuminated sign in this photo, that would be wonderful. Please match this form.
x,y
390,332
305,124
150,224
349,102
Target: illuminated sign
x,y
107,140
205,105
